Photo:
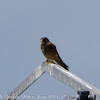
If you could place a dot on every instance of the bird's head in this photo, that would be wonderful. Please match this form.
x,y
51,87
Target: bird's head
x,y
44,40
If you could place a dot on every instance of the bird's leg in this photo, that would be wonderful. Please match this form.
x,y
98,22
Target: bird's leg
x,y
46,60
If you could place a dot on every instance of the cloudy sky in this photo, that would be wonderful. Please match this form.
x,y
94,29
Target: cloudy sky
x,y
72,25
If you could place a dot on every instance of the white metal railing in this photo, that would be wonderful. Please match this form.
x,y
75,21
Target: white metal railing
x,y
59,73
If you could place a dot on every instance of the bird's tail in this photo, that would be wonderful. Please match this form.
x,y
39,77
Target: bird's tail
x,y
61,63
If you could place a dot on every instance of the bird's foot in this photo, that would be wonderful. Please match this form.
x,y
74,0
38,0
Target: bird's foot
x,y
49,61
52,62
45,60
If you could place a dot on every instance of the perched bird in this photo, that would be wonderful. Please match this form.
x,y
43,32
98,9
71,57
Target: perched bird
x,y
50,52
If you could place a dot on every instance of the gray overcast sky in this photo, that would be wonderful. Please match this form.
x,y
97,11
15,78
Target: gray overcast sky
x,y
72,25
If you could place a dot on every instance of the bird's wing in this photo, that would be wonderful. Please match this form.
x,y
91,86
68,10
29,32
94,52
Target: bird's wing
x,y
52,48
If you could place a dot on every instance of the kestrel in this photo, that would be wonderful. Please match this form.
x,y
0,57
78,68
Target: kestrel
x,y
50,52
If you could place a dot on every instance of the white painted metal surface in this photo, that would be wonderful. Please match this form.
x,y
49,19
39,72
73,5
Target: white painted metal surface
x,y
59,73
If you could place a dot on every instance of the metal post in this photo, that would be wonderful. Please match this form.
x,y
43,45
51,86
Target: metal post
x,y
83,95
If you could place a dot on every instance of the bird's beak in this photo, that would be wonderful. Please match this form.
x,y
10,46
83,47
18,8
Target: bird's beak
x,y
42,40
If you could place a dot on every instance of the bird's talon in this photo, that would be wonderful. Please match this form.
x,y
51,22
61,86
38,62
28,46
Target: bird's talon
x,y
51,62
45,61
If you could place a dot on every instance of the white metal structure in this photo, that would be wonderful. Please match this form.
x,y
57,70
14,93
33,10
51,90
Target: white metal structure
x,y
59,73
